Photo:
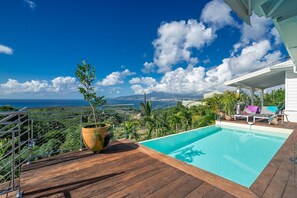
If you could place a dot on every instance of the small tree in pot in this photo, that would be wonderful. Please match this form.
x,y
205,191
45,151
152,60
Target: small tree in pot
x,y
95,136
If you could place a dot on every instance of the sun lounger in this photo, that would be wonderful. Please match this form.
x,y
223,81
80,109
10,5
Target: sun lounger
x,y
249,111
267,112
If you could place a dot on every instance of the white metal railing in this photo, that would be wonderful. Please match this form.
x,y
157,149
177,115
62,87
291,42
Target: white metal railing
x,y
58,130
30,134
15,146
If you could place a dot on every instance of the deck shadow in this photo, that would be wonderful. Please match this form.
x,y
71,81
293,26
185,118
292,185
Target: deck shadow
x,y
52,161
68,187
119,148
114,147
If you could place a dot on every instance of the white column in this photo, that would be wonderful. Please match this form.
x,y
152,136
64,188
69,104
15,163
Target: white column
x,y
238,104
262,98
252,95
238,89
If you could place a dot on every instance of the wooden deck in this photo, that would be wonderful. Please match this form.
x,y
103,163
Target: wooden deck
x,y
121,171
126,169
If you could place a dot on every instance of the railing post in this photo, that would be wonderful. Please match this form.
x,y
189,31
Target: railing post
x,y
12,159
295,164
19,150
80,130
133,122
125,131
31,141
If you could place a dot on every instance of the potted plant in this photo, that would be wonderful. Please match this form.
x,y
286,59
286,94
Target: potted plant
x,y
95,136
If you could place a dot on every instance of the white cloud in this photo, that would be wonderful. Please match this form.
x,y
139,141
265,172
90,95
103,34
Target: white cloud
x,y
182,80
177,39
217,14
219,74
206,61
5,50
148,67
250,57
64,84
196,79
138,89
115,78
59,84
33,86
175,42
258,30
176,81
275,34
271,57
30,3
143,80
127,72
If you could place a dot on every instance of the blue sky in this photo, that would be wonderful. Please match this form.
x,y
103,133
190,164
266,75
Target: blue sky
x,y
136,46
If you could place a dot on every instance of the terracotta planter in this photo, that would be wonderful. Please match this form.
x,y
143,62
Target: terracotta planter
x,y
95,139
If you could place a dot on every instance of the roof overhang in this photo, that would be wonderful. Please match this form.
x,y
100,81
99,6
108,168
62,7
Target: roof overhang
x,y
264,78
282,12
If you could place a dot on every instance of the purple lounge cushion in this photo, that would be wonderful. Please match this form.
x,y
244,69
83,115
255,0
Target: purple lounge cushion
x,y
251,109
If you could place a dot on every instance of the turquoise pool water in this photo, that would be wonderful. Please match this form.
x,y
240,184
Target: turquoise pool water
x,y
239,155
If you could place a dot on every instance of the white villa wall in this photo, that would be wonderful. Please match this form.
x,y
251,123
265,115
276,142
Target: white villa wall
x,y
291,96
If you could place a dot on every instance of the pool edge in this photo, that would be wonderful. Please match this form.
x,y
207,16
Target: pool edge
x,y
256,127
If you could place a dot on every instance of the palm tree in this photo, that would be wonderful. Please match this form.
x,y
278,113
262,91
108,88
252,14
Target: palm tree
x,y
203,116
131,130
146,111
214,102
244,97
146,108
173,120
228,102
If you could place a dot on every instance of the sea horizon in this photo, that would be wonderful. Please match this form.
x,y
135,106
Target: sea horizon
x,y
44,103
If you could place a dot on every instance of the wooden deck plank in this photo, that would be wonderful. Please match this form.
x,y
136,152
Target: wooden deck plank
x,y
67,159
280,179
215,193
131,173
264,180
186,188
81,177
79,172
184,183
120,183
200,191
56,170
144,187
291,187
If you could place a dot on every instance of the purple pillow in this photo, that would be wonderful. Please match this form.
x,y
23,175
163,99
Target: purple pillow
x,y
251,109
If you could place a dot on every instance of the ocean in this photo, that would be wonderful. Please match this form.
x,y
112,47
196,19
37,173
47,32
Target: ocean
x,y
41,103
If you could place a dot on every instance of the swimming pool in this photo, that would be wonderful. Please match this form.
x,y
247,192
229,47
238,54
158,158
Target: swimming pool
x,y
237,154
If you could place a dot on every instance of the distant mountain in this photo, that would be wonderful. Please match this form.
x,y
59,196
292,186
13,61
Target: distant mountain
x,y
161,96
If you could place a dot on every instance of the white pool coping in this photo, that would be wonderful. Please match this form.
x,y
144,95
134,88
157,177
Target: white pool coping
x,y
256,127
192,130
